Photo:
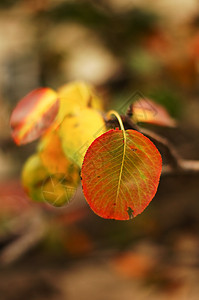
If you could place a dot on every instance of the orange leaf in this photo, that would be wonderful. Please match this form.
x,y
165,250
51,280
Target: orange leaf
x,y
147,111
120,174
52,155
33,115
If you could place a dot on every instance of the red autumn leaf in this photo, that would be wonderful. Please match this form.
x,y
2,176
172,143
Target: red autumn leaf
x,y
147,111
120,174
33,115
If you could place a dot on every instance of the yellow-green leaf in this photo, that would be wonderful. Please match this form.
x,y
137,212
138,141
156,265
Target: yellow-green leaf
x,y
33,176
58,189
53,188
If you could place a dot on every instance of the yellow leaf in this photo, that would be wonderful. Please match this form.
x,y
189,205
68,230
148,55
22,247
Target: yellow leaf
x,y
74,96
78,131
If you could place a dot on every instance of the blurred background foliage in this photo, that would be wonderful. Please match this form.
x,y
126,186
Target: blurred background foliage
x,y
119,46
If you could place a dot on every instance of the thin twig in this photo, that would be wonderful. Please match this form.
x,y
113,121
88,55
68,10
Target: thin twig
x,y
170,151
177,164
32,232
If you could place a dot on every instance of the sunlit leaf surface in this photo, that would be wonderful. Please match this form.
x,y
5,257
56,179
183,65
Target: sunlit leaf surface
x,y
120,174
78,131
33,115
74,96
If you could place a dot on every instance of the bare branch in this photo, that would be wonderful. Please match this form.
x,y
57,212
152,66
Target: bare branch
x,y
32,232
170,151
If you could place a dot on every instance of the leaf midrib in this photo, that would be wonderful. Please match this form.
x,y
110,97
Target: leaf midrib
x,y
122,165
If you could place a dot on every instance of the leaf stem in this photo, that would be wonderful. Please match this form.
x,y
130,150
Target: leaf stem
x,y
113,112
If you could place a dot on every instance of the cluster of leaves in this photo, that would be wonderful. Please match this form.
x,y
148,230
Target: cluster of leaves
x,y
119,169
64,121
